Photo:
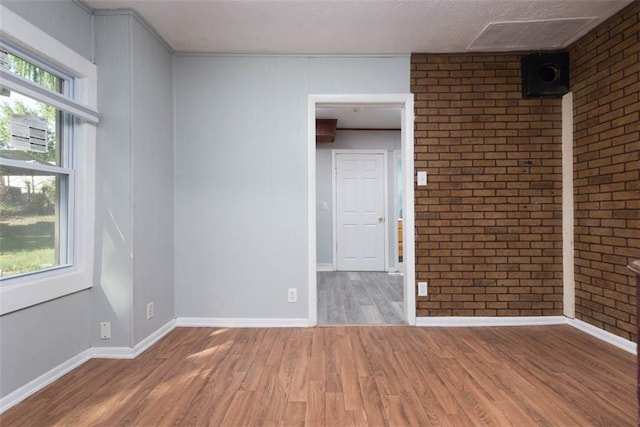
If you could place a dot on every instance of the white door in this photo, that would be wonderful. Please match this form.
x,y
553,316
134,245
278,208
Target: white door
x,y
360,222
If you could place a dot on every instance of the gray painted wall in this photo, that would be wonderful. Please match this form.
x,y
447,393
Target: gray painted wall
x,y
113,284
64,20
241,172
39,338
153,182
134,199
356,140
134,223
239,186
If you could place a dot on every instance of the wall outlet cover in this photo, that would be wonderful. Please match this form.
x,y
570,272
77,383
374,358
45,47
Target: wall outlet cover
x,y
105,330
423,289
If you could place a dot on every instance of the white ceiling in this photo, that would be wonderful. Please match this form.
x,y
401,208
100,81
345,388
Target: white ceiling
x,y
362,117
355,26
367,27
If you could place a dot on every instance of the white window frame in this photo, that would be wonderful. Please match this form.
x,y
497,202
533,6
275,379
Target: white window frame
x,y
28,290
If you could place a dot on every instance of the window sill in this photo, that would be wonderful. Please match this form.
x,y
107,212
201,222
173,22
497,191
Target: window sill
x,y
22,292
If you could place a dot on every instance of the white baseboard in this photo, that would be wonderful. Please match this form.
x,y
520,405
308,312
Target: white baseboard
x,y
612,339
324,267
132,353
67,366
490,321
47,378
215,322
601,334
43,380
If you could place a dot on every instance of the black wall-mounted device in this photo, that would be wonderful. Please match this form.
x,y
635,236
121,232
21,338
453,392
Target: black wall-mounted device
x,y
545,75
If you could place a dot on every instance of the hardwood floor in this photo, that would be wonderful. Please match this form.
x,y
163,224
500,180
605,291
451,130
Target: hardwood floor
x,y
347,376
359,298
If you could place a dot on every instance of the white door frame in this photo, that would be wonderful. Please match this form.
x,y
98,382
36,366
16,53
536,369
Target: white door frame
x,y
396,243
334,190
405,103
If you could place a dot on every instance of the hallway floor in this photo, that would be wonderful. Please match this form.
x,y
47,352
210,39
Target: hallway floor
x,y
359,298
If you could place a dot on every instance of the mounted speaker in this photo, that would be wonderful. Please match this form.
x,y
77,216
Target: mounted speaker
x,y
545,75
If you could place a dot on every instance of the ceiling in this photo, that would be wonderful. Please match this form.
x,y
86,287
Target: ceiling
x,y
367,27
362,117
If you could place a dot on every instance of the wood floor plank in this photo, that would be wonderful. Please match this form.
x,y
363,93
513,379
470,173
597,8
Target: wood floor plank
x,y
372,315
359,298
353,314
316,402
294,415
372,402
349,376
390,286
335,308
361,294
387,310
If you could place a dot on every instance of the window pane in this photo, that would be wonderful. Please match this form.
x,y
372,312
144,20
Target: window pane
x,y
30,130
36,74
33,221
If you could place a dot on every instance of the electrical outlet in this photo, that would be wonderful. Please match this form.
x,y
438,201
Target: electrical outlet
x,y
422,289
292,295
149,310
105,330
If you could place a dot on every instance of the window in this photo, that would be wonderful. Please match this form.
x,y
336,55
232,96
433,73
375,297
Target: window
x,y
36,186
47,162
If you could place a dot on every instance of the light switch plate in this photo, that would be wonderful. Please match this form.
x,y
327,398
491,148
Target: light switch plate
x,y
422,289
422,177
292,295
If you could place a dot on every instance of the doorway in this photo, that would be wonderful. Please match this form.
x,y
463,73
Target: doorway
x,y
404,104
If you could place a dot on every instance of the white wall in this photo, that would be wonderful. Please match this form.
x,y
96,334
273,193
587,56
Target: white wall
x,y
351,139
241,156
39,338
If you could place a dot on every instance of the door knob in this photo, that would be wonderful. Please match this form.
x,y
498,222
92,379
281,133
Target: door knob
x,y
380,219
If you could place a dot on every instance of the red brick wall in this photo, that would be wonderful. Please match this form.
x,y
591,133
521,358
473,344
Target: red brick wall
x,y
605,80
489,222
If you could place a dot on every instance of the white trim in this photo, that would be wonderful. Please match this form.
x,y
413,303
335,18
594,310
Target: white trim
x,y
27,290
408,220
113,353
67,366
43,380
594,331
605,336
334,212
40,167
24,34
132,353
334,201
396,242
490,321
405,103
26,87
238,322
568,276
312,256
322,266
